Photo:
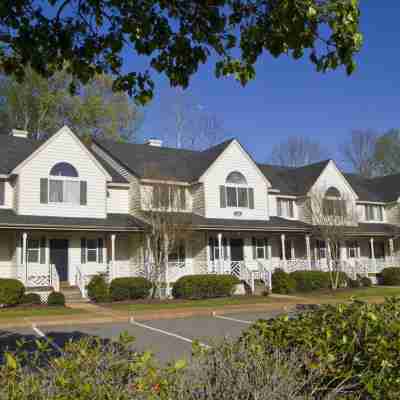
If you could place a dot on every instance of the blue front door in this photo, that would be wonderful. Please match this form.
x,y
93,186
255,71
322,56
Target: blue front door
x,y
59,257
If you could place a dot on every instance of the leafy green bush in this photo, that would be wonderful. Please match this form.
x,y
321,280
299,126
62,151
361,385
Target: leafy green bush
x,y
391,276
307,281
129,288
204,286
97,289
31,298
56,299
357,343
282,282
365,281
11,292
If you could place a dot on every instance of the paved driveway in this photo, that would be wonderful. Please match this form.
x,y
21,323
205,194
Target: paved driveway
x,y
167,339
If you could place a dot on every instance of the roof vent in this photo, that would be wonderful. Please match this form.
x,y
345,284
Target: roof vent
x,y
19,133
153,142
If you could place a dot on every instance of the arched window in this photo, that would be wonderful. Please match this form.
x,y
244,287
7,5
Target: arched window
x,y
333,204
64,169
63,186
235,193
236,178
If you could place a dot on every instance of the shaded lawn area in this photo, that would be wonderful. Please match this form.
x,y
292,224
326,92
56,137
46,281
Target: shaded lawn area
x,y
374,294
26,312
148,305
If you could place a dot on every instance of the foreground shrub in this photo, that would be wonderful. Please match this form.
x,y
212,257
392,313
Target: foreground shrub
x,y
11,292
97,289
129,288
365,281
391,276
31,298
56,299
282,282
204,286
357,343
92,369
307,281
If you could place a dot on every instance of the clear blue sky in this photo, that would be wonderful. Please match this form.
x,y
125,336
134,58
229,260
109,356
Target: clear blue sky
x,y
290,98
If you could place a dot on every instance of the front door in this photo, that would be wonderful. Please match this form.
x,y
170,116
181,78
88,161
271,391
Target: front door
x,y
236,249
59,257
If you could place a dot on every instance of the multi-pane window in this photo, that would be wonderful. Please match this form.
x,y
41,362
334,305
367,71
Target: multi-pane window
x,y
33,250
169,197
214,250
92,250
321,249
260,248
373,212
285,208
236,193
64,185
333,205
352,249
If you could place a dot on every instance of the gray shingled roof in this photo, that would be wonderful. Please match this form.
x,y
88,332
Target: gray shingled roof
x,y
113,222
153,162
14,150
293,181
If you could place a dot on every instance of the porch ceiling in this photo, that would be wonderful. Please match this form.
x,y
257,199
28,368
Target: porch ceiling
x,y
114,222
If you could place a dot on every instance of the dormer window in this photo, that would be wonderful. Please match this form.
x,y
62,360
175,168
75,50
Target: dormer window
x,y
333,203
373,212
285,208
63,186
236,193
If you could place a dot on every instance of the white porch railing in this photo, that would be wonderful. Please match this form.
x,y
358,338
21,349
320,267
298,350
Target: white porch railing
x,y
34,278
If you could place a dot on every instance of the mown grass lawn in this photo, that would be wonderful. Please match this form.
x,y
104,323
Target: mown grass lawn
x,y
26,312
207,303
375,294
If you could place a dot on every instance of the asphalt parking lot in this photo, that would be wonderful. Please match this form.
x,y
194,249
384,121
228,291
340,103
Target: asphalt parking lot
x,y
168,339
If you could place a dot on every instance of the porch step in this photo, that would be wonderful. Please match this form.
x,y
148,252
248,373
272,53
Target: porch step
x,y
72,294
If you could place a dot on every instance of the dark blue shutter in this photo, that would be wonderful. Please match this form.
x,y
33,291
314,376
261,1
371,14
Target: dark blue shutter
x,y
83,193
254,245
44,190
100,250
251,198
83,251
2,192
222,196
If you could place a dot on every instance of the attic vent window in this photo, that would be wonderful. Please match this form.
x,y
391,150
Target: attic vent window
x,y
64,169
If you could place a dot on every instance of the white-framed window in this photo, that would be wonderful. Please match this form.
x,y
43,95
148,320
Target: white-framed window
x,y
213,246
373,212
236,193
352,249
33,250
285,207
260,246
333,204
168,197
64,185
178,253
92,250
321,249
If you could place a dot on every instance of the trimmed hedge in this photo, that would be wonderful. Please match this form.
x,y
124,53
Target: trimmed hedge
x,y
56,299
391,276
307,281
365,282
11,292
31,298
97,289
204,286
282,282
129,288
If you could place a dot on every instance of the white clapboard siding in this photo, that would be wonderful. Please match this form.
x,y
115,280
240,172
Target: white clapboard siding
x,y
64,148
118,200
234,159
8,195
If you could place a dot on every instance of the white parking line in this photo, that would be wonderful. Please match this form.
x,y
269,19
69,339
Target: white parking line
x,y
185,339
242,321
44,336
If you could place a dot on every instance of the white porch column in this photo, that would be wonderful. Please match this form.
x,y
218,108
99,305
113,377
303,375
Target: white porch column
x,y
24,257
391,250
292,250
220,251
283,246
308,251
371,243
269,252
113,267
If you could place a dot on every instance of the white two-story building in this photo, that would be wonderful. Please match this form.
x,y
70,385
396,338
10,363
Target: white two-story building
x,y
69,211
